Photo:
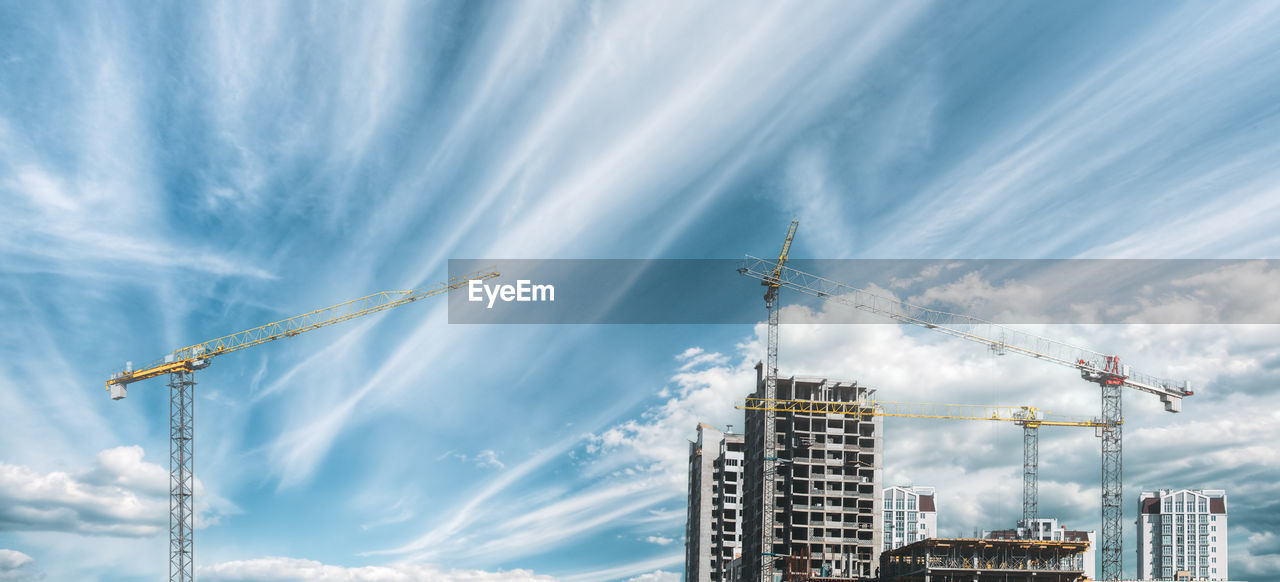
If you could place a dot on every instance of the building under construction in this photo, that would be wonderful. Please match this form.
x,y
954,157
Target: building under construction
x,y
827,484
985,560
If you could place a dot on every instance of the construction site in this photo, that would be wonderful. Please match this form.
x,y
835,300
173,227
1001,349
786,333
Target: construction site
x,y
810,504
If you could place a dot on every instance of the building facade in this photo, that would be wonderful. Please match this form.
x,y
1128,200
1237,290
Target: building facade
x,y
726,537
1182,534
910,515
713,531
700,522
1047,529
827,483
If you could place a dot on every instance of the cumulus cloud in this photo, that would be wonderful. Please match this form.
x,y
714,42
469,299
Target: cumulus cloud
x,y
1234,293
1011,300
279,569
122,495
16,566
657,440
657,576
977,465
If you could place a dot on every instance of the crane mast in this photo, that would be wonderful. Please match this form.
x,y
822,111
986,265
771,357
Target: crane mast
x,y
181,366
768,551
1102,369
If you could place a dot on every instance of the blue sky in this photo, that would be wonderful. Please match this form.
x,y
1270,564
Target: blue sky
x,y
171,174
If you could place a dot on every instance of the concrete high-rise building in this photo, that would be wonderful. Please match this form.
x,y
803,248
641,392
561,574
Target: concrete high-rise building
x,y
713,531
700,520
827,484
727,535
1182,534
909,516
1047,529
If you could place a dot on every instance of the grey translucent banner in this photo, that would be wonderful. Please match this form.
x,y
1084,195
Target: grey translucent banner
x,y
730,291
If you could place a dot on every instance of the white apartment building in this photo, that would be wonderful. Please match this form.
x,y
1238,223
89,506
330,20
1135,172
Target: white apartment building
x,y
726,537
701,515
1182,534
909,515
713,531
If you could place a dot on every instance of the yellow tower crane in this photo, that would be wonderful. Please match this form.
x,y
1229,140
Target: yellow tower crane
x,y
772,284
1029,417
181,366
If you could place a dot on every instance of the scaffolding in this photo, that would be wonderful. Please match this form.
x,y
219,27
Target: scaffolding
x,y
985,560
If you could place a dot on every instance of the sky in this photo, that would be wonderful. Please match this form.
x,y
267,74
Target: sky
x,y
171,173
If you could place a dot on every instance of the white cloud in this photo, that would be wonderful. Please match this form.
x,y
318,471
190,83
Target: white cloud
x,y
1236,293
657,576
121,496
278,569
12,559
16,566
658,439
648,566
661,541
1010,301
488,458
977,465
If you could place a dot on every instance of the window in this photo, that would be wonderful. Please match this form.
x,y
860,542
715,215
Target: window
x,y
1167,529
897,504
1167,539
888,504
1167,561
911,502
1181,507
1168,505
1203,507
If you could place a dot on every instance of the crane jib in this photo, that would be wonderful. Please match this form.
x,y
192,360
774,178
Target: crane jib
x,y
197,356
967,327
